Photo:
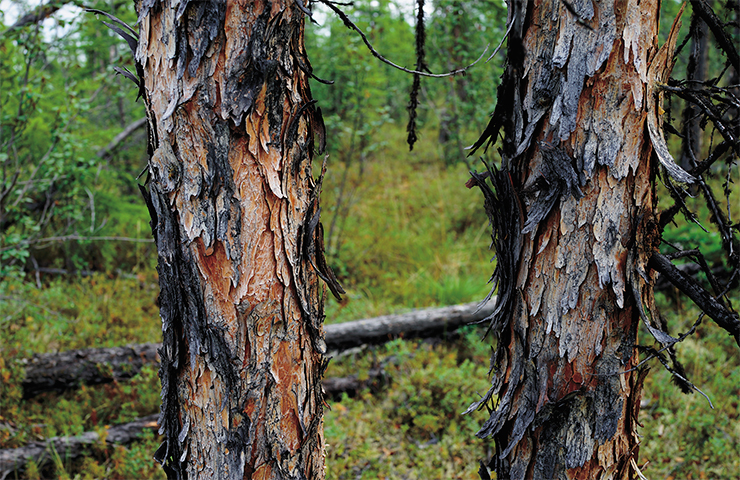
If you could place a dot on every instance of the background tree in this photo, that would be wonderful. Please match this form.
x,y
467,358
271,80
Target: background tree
x,y
580,107
457,33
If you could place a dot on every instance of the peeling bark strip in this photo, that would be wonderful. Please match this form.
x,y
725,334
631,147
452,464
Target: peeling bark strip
x,y
233,204
580,119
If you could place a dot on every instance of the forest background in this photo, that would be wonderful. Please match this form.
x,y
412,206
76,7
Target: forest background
x,y
77,266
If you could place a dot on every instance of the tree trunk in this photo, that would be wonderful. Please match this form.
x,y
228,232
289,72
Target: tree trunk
x,y
234,212
695,71
579,110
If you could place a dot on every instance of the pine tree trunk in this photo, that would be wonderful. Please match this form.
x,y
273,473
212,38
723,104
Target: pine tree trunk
x,y
234,212
579,111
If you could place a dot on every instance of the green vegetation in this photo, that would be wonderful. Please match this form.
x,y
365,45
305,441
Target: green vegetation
x,y
402,232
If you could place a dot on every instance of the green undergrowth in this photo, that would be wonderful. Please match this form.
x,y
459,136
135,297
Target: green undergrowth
x,y
683,436
414,236
66,314
412,427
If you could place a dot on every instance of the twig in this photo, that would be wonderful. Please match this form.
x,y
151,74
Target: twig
x,y
130,129
714,309
349,24
66,238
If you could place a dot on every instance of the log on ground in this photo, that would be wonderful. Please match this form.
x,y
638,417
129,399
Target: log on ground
x,y
62,371
70,448
16,459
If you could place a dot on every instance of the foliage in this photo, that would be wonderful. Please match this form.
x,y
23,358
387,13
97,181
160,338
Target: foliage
x,y
86,313
414,427
458,34
57,89
683,436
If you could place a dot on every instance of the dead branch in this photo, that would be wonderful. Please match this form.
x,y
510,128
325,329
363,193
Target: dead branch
x,y
709,305
350,24
15,459
127,132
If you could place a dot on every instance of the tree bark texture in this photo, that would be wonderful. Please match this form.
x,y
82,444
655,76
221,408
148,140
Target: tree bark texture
x,y
235,215
579,109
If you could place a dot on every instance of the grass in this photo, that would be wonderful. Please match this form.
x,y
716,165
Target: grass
x,y
683,436
416,238
413,428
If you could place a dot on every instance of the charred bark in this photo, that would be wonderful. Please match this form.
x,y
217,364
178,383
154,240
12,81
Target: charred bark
x,y
579,109
235,211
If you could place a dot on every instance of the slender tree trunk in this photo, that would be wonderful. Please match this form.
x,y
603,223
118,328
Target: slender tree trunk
x,y
696,71
579,110
234,212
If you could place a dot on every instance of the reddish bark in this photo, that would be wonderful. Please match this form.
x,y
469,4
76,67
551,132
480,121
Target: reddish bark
x,y
235,216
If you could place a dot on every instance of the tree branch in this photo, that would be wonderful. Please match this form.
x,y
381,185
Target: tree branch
x,y
128,131
39,14
349,24
713,308
704,10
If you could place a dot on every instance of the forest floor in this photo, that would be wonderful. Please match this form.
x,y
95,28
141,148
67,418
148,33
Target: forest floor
x,y
412,237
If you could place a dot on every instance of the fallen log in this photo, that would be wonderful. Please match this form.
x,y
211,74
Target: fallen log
x,y
69,448
16,459
48,372
62,371
334,387
425,323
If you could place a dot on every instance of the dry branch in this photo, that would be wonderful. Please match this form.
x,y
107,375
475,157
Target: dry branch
x,y
62,371
127,132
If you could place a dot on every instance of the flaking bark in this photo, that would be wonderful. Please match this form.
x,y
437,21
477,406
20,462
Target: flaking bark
x,y
579,109
235,216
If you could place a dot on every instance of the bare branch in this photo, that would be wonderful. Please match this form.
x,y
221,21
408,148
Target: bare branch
x,y
725,41
713,308
66,238
128,131
349,24
39,14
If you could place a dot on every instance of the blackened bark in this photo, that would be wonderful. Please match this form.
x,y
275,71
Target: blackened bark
x,y
572,211
235,217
